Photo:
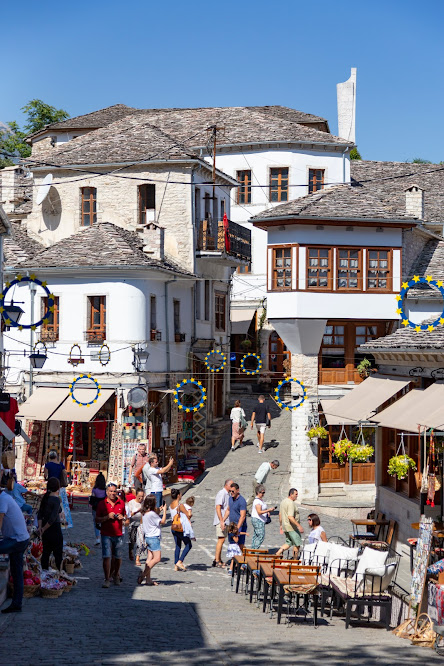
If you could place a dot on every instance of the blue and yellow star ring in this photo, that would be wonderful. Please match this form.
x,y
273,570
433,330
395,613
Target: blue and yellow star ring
x,y
72,388
439,284
258,367
202,398
277,391
215,368
20,279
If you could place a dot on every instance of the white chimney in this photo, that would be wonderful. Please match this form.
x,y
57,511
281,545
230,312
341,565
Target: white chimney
x,y
346,93
414,201
153,238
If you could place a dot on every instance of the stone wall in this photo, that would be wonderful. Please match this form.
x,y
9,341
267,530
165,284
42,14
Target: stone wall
x,y
413,243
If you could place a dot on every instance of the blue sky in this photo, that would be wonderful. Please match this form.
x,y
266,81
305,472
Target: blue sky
x,y
84,56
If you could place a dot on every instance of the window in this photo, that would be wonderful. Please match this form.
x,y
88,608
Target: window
x,y
279,184
207,300
153,313
197,296
244,191
96,319
147,201
282,268
378,270
349,269
245,268
333,347
219,310
222,209
88,206
49,331
315,180
363,334
176,311
319,268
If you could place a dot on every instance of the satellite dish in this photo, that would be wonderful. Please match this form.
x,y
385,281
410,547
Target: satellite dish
x,y
44,189
137,396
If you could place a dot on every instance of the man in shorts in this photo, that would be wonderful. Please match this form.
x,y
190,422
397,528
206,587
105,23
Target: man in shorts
x,y
290,525
260,415
110,515
220,521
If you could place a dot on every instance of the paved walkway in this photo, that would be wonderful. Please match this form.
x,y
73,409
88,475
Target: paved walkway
x,y
193,617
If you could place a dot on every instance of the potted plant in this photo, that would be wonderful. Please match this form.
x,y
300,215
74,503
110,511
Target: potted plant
x,y
246,344
399,466
317,432
364,368
341,449
360,452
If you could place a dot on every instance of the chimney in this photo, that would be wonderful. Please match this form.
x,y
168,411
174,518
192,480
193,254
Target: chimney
x,y
346,93
153,241
414,201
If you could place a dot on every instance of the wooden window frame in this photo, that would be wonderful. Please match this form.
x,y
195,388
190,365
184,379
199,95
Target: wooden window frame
x,y
338,268
244,191
207,300
92,198
220,314
313,170
176,316
280,189
330,250
94,329
293,266
50,332
153,302
140,199
389,288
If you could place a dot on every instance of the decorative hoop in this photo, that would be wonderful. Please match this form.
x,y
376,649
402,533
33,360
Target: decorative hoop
x,y
278,389
214,368
76,359
72,389
33,325
202,398
258,367
104,349
439,284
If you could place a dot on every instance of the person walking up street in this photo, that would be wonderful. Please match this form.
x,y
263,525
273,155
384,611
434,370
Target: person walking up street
x,y
151,522
98,493
153,475
261,478
259,516
134,517
110,515
262,417
220,521
238,425
238,512
290,524
180,536
14,542
49,524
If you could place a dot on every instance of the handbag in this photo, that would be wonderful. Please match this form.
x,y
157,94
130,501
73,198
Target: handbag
x,y
243,422
267,422
268,520
63,479
176,525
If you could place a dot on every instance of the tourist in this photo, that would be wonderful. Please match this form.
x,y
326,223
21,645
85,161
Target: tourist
x,y
153,475
110,515
138,460
290,525
220,521
134,516
151,522
317,531
48,517
238,425
233,543
262,417
56,469
238,511
183,536
17,491
261,478
98,493
130,493
14,542
259,517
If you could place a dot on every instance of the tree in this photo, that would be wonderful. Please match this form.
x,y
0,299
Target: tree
x,y
419,160
12,139
355,154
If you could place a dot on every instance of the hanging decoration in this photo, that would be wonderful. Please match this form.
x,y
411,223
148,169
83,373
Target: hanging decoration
x,y
104,354
258,367
432,476
278,389
210,366
399,465
20,279
75,360
72,388
202,398
439,284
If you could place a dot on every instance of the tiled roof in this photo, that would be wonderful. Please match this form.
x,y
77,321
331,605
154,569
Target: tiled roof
x,y
19,246
93,120
408,338
429,262
102,244
377,191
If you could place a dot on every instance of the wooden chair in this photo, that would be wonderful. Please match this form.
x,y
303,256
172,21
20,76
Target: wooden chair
x,y
389,537
239,563
376,535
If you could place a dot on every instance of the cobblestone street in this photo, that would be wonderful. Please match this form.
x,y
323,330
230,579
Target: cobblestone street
x,y
192,617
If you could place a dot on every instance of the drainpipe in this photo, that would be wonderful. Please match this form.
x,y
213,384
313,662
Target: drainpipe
x,y
343,164
193,222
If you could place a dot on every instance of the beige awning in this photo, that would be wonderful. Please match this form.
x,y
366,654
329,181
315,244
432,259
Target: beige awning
x,y
71,411
362,402
417,408
241,320
334,420
42,403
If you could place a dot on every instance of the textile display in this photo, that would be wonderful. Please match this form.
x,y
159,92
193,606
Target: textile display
x,y
66,509
176,421
129,449
9,416
421,560
115,454
34,453
440,603
436,567
432,609
99,446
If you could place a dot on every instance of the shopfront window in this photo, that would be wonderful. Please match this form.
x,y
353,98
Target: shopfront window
x,y
333,347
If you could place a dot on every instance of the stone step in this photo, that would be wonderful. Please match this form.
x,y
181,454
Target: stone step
x,y
332,491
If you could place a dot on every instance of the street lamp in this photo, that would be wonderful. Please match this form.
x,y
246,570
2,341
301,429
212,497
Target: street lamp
x,y
12,312
140,357
38,356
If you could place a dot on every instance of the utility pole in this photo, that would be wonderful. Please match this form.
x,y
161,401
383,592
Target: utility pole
x,y
31,340
214,129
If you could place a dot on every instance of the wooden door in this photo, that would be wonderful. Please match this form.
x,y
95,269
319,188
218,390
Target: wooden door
x,y
279,358
330,471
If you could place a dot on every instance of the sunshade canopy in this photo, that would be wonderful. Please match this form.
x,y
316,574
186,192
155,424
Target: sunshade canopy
x,y
417,408
56,404
362,402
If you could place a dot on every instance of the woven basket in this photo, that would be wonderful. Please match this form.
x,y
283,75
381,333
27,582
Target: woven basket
x,y
50,594
8,459
33,499
30,591
69,567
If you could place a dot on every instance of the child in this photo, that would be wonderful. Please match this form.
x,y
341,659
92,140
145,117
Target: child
x,y
233,546
189,504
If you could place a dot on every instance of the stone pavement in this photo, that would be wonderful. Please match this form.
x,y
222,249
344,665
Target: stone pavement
x,y
192,617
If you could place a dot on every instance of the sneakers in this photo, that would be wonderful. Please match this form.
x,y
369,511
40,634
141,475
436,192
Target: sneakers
x,y
117,580
233,449
106,583
260,451
97,542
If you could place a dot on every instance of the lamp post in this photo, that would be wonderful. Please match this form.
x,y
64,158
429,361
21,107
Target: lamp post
x,y
141,356
33,290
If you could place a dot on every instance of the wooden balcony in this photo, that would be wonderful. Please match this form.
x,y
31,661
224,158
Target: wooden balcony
x,y
48,335
237,244
95,336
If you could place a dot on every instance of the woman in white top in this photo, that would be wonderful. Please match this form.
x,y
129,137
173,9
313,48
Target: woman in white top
x,y
180,537
151,522
134,516
317,531
237,430
259,516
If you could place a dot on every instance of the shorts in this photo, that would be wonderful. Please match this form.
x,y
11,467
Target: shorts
x,y
153,543
112,546
293,538
261,427
221,534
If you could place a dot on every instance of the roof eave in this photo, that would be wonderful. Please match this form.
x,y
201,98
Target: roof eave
x,y
306,142
111,267
291,219
398,350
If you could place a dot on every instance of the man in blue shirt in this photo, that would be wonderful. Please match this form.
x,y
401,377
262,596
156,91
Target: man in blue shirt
x,y
14,543
238,511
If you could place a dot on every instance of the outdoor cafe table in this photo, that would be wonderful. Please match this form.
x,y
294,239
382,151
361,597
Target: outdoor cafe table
x,y
366,522
250,562
282,577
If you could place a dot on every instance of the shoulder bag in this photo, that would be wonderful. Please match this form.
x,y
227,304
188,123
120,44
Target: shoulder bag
x,y
176,525
63,479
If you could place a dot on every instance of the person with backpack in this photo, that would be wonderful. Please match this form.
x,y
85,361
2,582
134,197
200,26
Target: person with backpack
x,y
238,425
98,493
180,529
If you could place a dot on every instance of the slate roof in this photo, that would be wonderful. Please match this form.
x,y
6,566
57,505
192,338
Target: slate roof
x,y
404,339
92,120
377,191
19,246
103,244
429,262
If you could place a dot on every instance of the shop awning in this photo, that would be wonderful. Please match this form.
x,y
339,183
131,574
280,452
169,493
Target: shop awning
x,y
362,402
334,420
71,411
201,347
241,320
42,403
424,408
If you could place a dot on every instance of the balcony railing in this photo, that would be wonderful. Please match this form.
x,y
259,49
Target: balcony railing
x,y
237,243
49,335
95,337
